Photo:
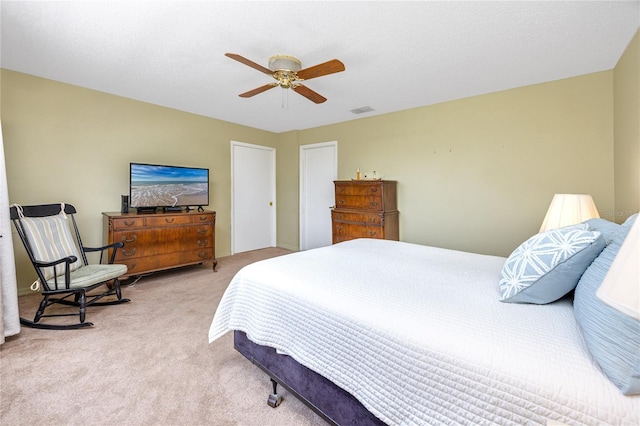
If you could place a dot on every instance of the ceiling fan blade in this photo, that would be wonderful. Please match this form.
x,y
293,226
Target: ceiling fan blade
x,y
319,70
309,94
246,61
258,90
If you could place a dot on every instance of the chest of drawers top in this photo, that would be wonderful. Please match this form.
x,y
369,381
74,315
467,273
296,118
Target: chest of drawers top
x,y
370,195
122,221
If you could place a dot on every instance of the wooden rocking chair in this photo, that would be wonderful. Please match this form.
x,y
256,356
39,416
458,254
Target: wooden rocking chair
x,y
60,261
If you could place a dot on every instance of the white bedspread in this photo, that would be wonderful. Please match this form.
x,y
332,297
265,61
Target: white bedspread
x,y
418,335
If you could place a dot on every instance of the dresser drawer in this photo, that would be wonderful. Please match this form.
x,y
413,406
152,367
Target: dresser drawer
x,y
185,234
362,202
168,220
204,218
357,231
353,217
144,243
128,223
147,264
340,238
358,188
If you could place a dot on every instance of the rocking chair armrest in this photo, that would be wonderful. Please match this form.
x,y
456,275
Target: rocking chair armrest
x,y
118,244
68,260
102,249
67,271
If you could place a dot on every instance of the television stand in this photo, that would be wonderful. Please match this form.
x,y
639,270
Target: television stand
x,y
155,242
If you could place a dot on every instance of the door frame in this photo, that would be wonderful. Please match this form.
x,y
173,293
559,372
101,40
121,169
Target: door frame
x,y
272,227
302,183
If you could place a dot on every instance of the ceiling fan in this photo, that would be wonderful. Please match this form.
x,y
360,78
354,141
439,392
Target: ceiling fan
x,y
287,72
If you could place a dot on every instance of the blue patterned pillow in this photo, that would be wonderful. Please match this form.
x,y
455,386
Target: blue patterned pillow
x,y
612,337
548,265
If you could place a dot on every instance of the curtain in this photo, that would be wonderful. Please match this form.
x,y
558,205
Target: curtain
x,y
9,315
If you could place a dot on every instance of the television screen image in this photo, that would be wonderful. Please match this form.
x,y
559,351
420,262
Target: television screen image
x,y
168,186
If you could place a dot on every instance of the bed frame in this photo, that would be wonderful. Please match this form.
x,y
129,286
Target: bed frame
x,y
334,404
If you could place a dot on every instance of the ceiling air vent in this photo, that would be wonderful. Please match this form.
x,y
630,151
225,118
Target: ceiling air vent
x,y
362,110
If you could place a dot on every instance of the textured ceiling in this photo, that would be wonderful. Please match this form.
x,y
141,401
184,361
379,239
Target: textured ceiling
x,y
398,55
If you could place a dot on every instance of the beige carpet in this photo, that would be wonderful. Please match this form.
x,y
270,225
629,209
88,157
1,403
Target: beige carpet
x,y
147,362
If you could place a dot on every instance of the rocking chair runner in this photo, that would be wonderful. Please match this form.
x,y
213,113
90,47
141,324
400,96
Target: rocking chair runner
x,y
63,270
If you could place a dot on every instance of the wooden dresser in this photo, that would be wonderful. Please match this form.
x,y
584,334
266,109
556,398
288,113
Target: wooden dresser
x,y
365,209
157,241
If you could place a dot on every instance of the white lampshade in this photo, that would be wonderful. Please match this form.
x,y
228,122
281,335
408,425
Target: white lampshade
x,y
569,209
620,288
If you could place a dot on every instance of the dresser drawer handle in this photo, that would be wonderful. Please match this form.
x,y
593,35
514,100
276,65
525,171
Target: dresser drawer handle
x,y
203,254
373,233
133,266
339,228
203,243
372,219
133,238
202,231
374,203
340,201
169,219
374,189
129,253
129,222
339,216
203,218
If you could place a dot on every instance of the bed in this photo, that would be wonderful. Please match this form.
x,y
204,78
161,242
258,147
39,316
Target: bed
x,y
385,332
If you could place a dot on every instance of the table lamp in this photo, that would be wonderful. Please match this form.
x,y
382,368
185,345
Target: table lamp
x,y
569,209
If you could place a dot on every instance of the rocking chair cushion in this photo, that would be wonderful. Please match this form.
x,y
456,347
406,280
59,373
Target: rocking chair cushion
x,y
50,240
93,274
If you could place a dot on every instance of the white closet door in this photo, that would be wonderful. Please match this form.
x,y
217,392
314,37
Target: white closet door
x,y
253,193
318,170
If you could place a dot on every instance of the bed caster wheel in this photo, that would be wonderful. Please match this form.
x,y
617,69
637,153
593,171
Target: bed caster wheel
x,y
274,400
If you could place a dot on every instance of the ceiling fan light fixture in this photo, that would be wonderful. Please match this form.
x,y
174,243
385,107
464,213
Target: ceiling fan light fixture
x,y
286,79
284,62
287,72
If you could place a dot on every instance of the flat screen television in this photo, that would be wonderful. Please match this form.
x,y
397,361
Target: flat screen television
x,y
153,186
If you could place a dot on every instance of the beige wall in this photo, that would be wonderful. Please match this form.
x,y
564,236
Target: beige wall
x,y
287,190
478,174
627,131
475,174
66,143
